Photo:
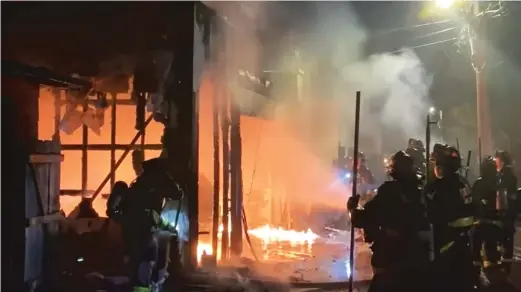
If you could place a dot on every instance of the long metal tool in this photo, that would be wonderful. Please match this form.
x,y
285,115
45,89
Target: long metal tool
x,y
354,190
467,168
427,149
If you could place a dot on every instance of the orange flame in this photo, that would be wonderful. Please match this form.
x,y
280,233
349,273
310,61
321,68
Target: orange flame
x,y
268,233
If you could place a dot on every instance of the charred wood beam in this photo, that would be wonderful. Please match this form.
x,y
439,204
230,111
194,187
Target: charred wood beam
x,y
181,130
108,147
118,102
40,75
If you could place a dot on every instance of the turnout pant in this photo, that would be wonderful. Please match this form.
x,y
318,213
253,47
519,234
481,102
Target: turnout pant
x,y
453,270
507,241
485,240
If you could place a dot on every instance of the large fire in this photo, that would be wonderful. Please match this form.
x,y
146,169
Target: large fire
x,y
266,234
270,234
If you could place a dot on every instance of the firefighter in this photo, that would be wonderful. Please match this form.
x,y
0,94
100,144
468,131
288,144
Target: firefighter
x,y
488,224
416,150
450,211
392,222
138,209
365,178
507,205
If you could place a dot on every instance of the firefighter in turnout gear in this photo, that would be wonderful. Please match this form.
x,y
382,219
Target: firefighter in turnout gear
x,y
392,222
488,224
450,211
507,205
416,151
365,178
138,209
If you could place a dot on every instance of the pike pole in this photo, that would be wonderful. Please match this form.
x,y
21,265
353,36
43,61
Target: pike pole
x,y
354,190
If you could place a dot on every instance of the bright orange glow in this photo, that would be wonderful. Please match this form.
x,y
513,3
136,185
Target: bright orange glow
x,y
278,155
269,234
206,247
203,247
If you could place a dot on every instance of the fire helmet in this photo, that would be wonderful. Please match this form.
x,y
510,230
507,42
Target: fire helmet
x,y
416,144
504,156
361,158
115,200
400,164
488,167
447,157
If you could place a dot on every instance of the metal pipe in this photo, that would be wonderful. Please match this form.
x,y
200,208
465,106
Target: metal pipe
x,y
113,140
469,155
120,160
427,149
216,175
354,190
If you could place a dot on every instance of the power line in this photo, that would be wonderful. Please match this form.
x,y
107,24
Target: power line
x,y
434,33
409,27
425,45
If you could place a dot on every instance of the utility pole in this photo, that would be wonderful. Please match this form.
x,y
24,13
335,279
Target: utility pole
x,y
476,30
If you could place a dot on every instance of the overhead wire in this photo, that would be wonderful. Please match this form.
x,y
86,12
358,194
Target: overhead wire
x,y
435,33
425,45
409,27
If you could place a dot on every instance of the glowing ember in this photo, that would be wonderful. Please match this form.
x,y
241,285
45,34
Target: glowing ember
x,y
268,233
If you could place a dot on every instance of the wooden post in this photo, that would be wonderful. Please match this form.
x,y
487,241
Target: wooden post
x,y
113,140
236,180
57,115
180,137
216,174
113,110
84,161
225,124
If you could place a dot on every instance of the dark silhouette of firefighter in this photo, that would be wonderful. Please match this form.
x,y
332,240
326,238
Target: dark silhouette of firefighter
x,y
416,151
450,211
138,209
487,230
392,222
365,178
507,204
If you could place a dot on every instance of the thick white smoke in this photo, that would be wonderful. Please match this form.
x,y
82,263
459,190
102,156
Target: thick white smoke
x,y
332,43
395,90
394,86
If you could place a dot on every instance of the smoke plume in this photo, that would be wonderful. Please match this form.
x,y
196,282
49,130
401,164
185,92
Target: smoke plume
x,y
292,143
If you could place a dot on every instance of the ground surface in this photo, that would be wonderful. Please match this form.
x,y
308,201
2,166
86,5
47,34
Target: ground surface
x,y
324,261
